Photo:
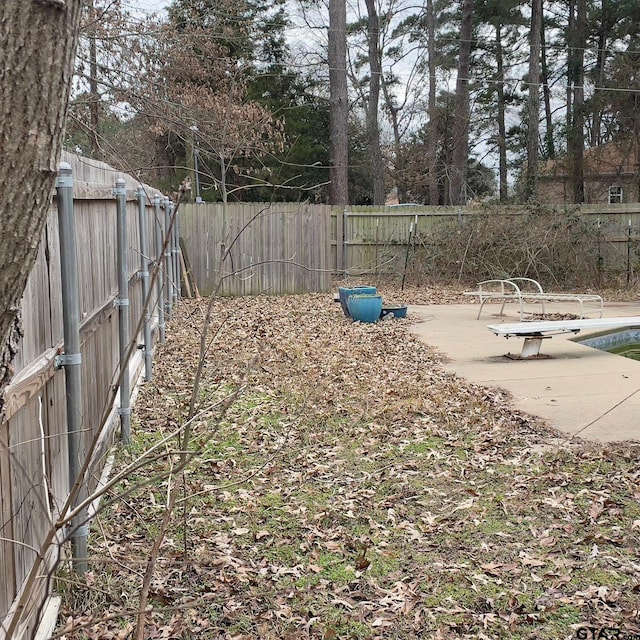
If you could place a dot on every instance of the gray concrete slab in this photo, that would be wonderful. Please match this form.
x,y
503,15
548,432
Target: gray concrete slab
x,y
579,390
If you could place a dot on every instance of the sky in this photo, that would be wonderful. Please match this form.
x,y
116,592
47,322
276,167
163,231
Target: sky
x,y
147,6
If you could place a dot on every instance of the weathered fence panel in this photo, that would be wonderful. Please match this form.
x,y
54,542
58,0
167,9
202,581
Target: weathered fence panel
x,y
362,240
34,459
272,248
369,240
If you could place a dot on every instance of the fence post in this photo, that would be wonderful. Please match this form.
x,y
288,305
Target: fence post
x,y
175,251
144,276
71,360
160,267
168,262
345,242
339,241
120,193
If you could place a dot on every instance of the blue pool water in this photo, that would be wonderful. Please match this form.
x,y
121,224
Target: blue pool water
x,y
624,343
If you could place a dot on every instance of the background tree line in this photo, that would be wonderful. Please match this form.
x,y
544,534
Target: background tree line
x,y
441,103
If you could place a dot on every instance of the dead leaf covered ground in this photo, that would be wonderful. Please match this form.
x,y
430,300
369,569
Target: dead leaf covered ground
x,y
354,489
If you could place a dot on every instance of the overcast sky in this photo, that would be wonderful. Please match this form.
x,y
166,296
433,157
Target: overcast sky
x,y
148,6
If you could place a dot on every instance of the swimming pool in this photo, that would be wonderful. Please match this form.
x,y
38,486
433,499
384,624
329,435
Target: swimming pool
x,y
625,342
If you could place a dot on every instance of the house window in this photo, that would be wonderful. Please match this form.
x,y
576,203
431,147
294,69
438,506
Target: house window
x,y
615,194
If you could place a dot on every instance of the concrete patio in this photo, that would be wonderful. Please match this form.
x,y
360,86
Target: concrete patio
x,y
579,390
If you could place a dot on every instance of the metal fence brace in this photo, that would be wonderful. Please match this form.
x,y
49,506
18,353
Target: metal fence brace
x,y
120,193
71,359
144,277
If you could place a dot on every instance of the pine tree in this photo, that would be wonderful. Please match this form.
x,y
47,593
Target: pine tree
x,y
501,20
462,115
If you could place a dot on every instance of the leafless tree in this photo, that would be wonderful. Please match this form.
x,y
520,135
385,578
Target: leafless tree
x,y
373,125
339,103
575,96
534,100
462,109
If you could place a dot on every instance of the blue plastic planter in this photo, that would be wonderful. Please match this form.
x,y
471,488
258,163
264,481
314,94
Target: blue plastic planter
x,y
399,311
365,307
345,292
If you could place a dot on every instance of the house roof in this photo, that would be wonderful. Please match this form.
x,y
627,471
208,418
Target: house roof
x,y
606,160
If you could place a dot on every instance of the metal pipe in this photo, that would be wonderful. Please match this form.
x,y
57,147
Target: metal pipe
x,y
120,193
345,243
168,262
144,276
175,250
159,266
71,360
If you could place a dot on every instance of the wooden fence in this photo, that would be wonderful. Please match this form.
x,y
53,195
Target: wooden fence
x,y
273,248
370,240
289,248
34,476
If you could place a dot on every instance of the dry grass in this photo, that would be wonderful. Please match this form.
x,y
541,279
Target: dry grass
x,y
356,490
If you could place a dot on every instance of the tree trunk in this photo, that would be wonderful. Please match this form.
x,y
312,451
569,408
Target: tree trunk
x,y
38,40
338,104
460,155
600,74
399,159
550,148
533,133
432,141
570,38
502,129
374,101
575,142
94,97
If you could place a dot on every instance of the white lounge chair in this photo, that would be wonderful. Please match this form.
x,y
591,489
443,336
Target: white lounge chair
x,y
497,291
527,290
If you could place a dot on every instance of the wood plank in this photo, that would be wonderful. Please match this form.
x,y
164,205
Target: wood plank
x,y
340,257
57,449
187,271
28,382
54,281
260,242
22,501
7,563
49,618
37,595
